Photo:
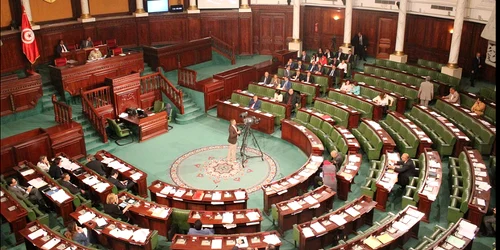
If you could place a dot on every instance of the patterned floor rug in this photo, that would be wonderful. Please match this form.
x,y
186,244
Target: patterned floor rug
x,y
207,168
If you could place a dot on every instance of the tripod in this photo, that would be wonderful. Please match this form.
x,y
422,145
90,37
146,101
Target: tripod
x,y
244,156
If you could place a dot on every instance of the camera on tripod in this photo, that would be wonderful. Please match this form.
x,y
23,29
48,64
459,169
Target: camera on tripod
x,y
249,120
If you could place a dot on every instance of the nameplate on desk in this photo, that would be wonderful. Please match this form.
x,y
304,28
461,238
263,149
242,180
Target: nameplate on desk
x,y
217,203
177,199
252,223
282,192
240,201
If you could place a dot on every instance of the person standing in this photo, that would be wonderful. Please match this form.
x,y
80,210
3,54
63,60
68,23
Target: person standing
x,y
233,140
360,43
426,92
477,65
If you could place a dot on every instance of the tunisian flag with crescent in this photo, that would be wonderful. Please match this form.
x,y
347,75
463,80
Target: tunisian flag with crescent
x,y
30,48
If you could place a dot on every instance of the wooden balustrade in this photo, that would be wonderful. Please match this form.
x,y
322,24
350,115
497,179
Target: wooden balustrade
x,y
224,49
62,111
187,78
98,97
158,81
93,99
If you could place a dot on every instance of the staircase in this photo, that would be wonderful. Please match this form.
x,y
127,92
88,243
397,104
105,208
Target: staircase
x,y
191,110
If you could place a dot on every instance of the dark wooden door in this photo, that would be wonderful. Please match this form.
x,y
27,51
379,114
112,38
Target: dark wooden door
x,y
385,41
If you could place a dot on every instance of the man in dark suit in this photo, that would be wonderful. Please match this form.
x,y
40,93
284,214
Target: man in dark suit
x,y
121,185
406,171
333,74
95,165
320,70
299,66
287,72
298,76
304,57
328,54
55,169
349,57
61,47
291,98
309,78
266,79
65,182
254,103
87,43
31,193
313,67
339,55
477,65
233,142
285,84
360,43
290,63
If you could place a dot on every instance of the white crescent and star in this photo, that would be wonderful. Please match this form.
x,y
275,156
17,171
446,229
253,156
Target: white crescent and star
x,y
27,36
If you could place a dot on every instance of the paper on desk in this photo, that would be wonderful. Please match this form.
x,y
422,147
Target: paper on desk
x,y
216,244
384,238
140,235
60,196
27,172
91,180
87,216
180,192
292,181
253,216
310,200
37,234
317,158
480,202
51,243
239,195
372,242
106,160
456,242
400,226
352,212
100,222
227,218
271,239
136,176
307,232
337,219
123,115
166,190
37,182
216,196
318,227
123,169
467,229
294,205
354,158
351,167
100,187
160,212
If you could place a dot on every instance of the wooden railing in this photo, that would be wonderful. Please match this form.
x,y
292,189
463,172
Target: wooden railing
x,y
62,111
224,49
158,81
93,99
186,78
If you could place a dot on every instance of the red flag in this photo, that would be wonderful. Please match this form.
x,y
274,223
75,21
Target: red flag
x,y
30,49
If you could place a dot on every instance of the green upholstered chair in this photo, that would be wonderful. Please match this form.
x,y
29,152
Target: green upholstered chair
x,y
180,217
121,132
158,106
274,213
302,117
296,235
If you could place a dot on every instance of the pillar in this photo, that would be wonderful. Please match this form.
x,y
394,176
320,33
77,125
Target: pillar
x,y
193,9
244,6
139,12
452,68
347,28
85,17
398,55
27,9
296,43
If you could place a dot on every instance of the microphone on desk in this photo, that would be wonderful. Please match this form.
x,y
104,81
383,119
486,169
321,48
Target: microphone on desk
x,y
216,186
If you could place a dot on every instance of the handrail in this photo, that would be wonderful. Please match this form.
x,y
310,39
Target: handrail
x,y
97,121
62,111
98,97
158,81
224,48
186,78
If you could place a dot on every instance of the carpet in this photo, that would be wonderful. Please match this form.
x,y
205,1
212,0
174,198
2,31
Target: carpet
x,y
206,168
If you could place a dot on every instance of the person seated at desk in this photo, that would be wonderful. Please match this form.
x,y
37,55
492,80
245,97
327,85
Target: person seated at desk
x,y
113,209
291,98
87,43
453,97
478,106
406,170
314,58
320,70
266,79
356,89
61,48
286,84
289,63
342,67
287,72
65,181
43,163
304,57
254,103
77,234
299,66
198,230
297,76
275,82
490,222
383,100
335,62
313,67
95,165
323,60
278,97
95,54
55,169
308,78
121,185
32,193
346,86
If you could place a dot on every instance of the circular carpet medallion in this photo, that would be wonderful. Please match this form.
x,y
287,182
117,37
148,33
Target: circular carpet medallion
x,y
206,168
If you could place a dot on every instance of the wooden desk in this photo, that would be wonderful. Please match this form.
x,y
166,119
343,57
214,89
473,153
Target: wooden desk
x,y
462,139
433,173
242,222
346,174
315,85
453,230
288,108
227,111
204,242
385,137
284,55
81,55
409,218
311,204
476,164
131,174
73,79
363,205
39,242
104,234
424,140
377,112
147,214
297,182
196,199
19,94
237,78
82,175
354,115
303,97
64,208
152,125
386,180
400,101
179,55
14,213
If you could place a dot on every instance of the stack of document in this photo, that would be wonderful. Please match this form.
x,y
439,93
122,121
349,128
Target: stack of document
x,y
124,234
166,190
136,176
37,234
87,216
180,192
37,182
456,242
294,205
60,196
216,244
354,158
51,243
140,235
91,180
318,227
227,218
240,195
467,229
310,200
352,212
253,216
372,242
307,232
160,212
337,219
101,186
100,222
216,196
27,172
271,239
107,160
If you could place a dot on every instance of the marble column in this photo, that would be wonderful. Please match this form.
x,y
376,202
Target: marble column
x,y
85,17
244,6
27,9
398,55
193,9
296,43
347,27
139,12
452,68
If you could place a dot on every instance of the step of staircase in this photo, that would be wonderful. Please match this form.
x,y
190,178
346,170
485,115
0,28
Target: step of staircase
x,y
91,139
95,146
189,118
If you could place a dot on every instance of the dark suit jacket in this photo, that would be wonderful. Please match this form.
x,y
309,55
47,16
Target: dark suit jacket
x,y
476,63
97,166
55,172
349,59
233,135
355,41
337,161
311,79
70,186
294,99
329,54
266,81
18,192
85,45
307,59
312,68
300,78
296,66
117,183
339,56
406,171
59,49
287,74
257,104
286,85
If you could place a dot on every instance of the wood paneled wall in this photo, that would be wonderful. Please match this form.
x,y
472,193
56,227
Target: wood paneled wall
x,y
42,11
272,28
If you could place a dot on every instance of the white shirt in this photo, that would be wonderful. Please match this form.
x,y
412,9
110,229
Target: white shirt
x,y
63,48
278,97
380,101
342,66
346,88
43,166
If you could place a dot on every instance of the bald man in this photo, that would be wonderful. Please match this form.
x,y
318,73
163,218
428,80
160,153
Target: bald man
x,y
406,170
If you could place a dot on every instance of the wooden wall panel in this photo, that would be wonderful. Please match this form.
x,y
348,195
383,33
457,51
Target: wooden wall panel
x,y
162,31
272,28
124,30
245,39
42,11
143,34
194,25
49,38
221,25
12,56
5,15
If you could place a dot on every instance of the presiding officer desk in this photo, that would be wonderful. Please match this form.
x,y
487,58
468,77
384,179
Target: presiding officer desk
x,y
197,199
328,228
113,233
40,236
153,124
227,110
229,222
81,55
14,213
225,242
297,182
